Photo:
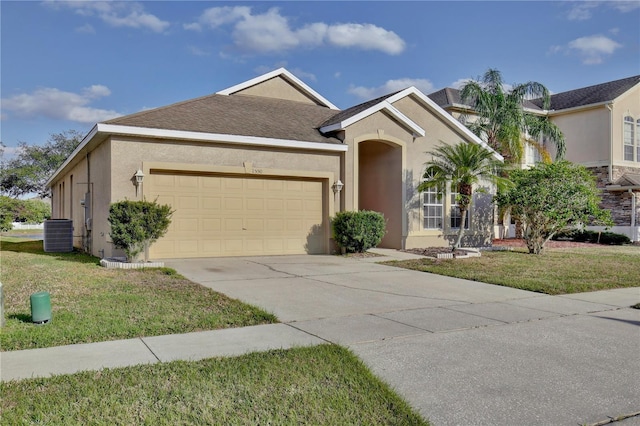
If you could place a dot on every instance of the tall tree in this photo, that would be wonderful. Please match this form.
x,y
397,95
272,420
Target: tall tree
x,y
501,119
463,165
34,164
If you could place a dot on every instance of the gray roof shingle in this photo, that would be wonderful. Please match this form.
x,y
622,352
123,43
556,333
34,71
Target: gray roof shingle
x,y
449,96
591,95
354,110
240,115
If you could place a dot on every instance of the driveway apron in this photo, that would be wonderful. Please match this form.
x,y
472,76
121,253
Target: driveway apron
x,y
461,352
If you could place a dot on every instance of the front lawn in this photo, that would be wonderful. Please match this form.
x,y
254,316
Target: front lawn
x,y
558,271
322,385
91,303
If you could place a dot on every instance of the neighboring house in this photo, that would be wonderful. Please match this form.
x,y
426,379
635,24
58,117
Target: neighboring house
x,y
257,169
601,125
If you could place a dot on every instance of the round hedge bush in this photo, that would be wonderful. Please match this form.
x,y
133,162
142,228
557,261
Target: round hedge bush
x,y
357,232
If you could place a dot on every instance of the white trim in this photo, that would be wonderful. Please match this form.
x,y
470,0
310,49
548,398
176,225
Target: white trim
x,y
383,105
280,72
114,129
217,137
73,155
445,115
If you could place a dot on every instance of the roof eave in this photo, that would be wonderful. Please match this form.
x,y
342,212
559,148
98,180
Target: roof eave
x,y
115,129
381,106
446,116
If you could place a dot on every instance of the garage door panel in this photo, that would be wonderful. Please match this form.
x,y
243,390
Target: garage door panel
x,y
255,204
234,216
186,225
188,203
211,225
233,225
212,204
188,183
233,203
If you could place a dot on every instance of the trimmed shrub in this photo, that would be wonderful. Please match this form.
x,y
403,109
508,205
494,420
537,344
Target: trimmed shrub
x,y
357,232
595,237
135,225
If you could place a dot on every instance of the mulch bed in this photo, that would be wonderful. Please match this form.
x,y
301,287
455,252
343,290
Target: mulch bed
x,y
516,242
434,251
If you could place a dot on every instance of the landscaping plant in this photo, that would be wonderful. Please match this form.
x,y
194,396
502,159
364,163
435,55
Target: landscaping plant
x,y
135,225
552,197
463,165
357,232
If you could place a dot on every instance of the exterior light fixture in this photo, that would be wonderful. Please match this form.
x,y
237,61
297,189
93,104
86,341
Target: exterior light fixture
x,y
139,177
337,186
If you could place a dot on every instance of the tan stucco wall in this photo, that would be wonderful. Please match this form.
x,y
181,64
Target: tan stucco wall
x,y
381,127
130,154
77,182
588,131
587,135
278,88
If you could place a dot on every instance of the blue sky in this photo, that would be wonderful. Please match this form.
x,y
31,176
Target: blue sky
x,y
66,65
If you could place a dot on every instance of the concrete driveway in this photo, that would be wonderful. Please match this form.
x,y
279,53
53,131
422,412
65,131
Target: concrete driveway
x,y
461,352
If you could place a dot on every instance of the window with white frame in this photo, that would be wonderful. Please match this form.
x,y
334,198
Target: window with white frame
x,y
456,218
432,208
628,139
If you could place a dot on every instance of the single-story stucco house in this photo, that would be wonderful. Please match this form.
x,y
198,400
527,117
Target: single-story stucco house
x,y
261,167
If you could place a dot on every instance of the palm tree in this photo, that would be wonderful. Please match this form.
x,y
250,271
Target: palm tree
x,y
464,165
502,121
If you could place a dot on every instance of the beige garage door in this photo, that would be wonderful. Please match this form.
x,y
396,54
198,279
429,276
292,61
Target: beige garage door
x,y
238,215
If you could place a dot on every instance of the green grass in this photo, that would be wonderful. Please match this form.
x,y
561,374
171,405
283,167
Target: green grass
x,y
558,271
90,303
322,385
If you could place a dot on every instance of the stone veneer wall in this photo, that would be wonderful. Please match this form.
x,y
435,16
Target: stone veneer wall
x,y
618,202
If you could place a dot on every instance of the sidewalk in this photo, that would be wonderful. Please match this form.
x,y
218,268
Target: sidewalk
x,y
70,359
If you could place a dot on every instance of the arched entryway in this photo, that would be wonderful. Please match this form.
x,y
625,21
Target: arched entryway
x,y
380,185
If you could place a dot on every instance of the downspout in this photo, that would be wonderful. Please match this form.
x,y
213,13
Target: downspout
x,y
634,231
610,108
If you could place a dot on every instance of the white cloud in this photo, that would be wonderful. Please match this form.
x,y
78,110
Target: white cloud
x,y
460,82
60,105
217,16
391,86
583,10
271,32
116,14
624,6
86,29
593,48
365,36
198,51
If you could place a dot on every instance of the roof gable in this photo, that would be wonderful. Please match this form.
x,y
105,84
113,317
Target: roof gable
x,y
265,85
385,103
354,114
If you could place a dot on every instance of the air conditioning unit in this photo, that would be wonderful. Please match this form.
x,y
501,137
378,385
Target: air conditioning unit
x,y
58,236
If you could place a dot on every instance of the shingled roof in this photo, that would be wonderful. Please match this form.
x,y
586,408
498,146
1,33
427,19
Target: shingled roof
x,y
354,110
449,97
591,95
240,115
